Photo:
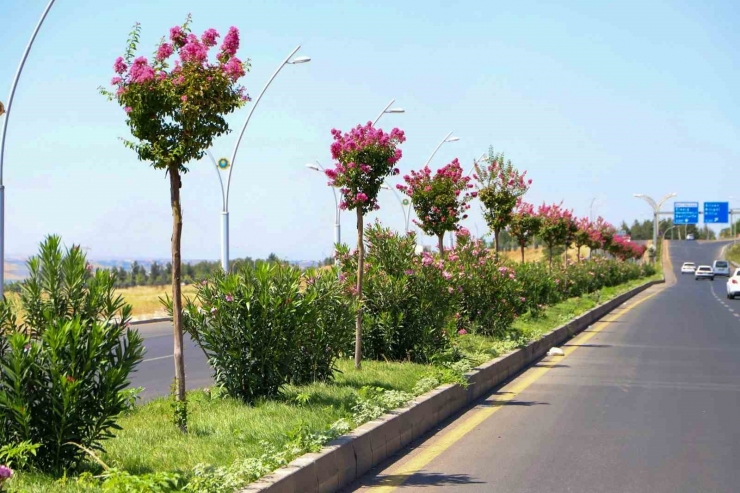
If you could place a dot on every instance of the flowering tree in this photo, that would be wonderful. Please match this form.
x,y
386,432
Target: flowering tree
x,y
524,225
174,113
364,157
606,233
500,185
440,201
585,235
556,226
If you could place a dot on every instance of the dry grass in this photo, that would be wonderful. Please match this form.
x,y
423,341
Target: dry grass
x,y
532,255
145,299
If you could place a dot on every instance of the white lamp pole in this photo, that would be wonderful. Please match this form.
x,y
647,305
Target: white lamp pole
x,y
656,211
289,60
388,109
404,207
448,138
337,210
9,107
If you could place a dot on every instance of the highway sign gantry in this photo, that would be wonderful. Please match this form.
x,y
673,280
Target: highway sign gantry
x,y
686,213
716,212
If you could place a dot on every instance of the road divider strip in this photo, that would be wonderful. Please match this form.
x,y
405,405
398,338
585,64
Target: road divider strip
x,y
349,457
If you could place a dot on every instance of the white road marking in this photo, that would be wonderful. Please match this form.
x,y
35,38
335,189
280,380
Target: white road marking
x,y
158,358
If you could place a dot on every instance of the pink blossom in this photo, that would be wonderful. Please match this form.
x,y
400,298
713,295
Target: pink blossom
x,y
141,71
184,98
164,51
120,66
115,81
462,332
231,42
177,36
193,51
229,298
5,473
361,197
213,310
127,109
209,37
234,68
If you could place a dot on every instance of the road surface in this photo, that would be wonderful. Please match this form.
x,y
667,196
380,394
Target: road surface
x,y
157,370
646,401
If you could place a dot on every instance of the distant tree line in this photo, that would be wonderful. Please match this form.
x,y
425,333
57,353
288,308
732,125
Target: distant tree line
x,y
159,274
644,230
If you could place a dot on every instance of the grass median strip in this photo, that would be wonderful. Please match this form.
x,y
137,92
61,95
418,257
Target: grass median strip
x,y
224,430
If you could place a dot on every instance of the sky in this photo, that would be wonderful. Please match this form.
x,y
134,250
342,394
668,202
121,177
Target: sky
x,y
595,100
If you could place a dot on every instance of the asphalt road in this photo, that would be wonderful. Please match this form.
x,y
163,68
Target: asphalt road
x,y
647,401
157,370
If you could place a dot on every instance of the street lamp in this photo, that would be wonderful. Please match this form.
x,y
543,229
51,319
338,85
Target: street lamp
x,y
388,109
405,205
2,144
337,210
289,60
448,138
656,211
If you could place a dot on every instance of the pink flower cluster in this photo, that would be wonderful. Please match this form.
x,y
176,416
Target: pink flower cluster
x,y
364,156
440,200
5,474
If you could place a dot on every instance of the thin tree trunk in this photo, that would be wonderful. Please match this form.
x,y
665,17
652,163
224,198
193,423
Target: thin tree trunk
x,y
360,275
175,184
549,250
578,253
495,240
522,247
441,244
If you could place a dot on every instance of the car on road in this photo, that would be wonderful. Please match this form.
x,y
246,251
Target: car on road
x,y
704,272
689,237
688,268
733,285
721,268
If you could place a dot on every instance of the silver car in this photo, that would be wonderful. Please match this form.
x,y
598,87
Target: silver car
x,y
721,268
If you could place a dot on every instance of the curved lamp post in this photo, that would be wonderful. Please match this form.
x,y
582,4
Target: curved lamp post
x,y
289,60
448,138
656,211
388,109
13,87
337,210
404,203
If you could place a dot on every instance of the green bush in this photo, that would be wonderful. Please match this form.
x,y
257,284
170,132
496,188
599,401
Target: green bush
x,y
407,305
261,329
64,367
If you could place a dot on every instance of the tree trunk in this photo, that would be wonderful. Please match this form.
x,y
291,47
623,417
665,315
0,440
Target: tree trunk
x,y
578,253
549,250
175,184
522,247
441,244
360,274
495,240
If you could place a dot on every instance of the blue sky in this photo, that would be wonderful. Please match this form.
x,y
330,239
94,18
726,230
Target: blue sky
x,y
594,99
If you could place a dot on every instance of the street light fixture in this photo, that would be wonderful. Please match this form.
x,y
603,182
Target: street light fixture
x,y
405,206
13,86
656,211
289,60
388,109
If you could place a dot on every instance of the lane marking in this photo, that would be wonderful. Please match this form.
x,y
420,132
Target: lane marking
x,y
509,392
157,358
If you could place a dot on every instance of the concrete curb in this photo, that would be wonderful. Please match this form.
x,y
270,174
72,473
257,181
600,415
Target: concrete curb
x,y
150,320
350,456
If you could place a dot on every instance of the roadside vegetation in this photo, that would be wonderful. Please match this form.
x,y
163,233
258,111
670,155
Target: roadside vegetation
x,y
733,253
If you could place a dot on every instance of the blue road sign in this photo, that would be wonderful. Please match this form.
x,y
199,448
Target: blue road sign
x,y
716,212
686,213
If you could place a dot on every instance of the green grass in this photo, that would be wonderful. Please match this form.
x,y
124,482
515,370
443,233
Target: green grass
x,y
733,253
224,430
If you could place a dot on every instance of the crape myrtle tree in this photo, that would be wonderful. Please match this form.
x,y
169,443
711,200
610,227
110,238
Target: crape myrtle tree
x,y
556,226
524,225
174,112
363,157
500,186
439,200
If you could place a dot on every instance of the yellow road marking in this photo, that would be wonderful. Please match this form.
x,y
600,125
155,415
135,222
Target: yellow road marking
x,y
404,472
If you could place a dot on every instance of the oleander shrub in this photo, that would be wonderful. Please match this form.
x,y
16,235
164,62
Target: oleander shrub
x,y
264,326
407,308
66,360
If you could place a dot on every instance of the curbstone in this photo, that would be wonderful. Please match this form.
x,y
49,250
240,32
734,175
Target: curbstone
x,y
349,457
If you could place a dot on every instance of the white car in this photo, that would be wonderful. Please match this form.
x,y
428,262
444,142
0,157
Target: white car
x,y
733,285
704,272
721,268
689,237
688,268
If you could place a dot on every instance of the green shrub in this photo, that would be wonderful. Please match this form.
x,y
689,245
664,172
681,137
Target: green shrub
x,y
261,329
65,366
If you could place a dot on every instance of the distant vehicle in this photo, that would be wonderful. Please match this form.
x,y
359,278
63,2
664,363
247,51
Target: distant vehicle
x,y
733,285
704,272
688,268
689,237
721,268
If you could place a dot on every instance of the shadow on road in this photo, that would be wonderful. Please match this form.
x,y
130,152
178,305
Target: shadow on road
x,y
424,479
587,345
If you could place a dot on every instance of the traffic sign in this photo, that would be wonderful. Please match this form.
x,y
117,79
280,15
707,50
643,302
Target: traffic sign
x,y
716,212
686,213
223,163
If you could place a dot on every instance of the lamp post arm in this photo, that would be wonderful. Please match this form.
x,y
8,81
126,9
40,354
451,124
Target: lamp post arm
x,y
249,116
14,85
437,148
220,180
383,112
